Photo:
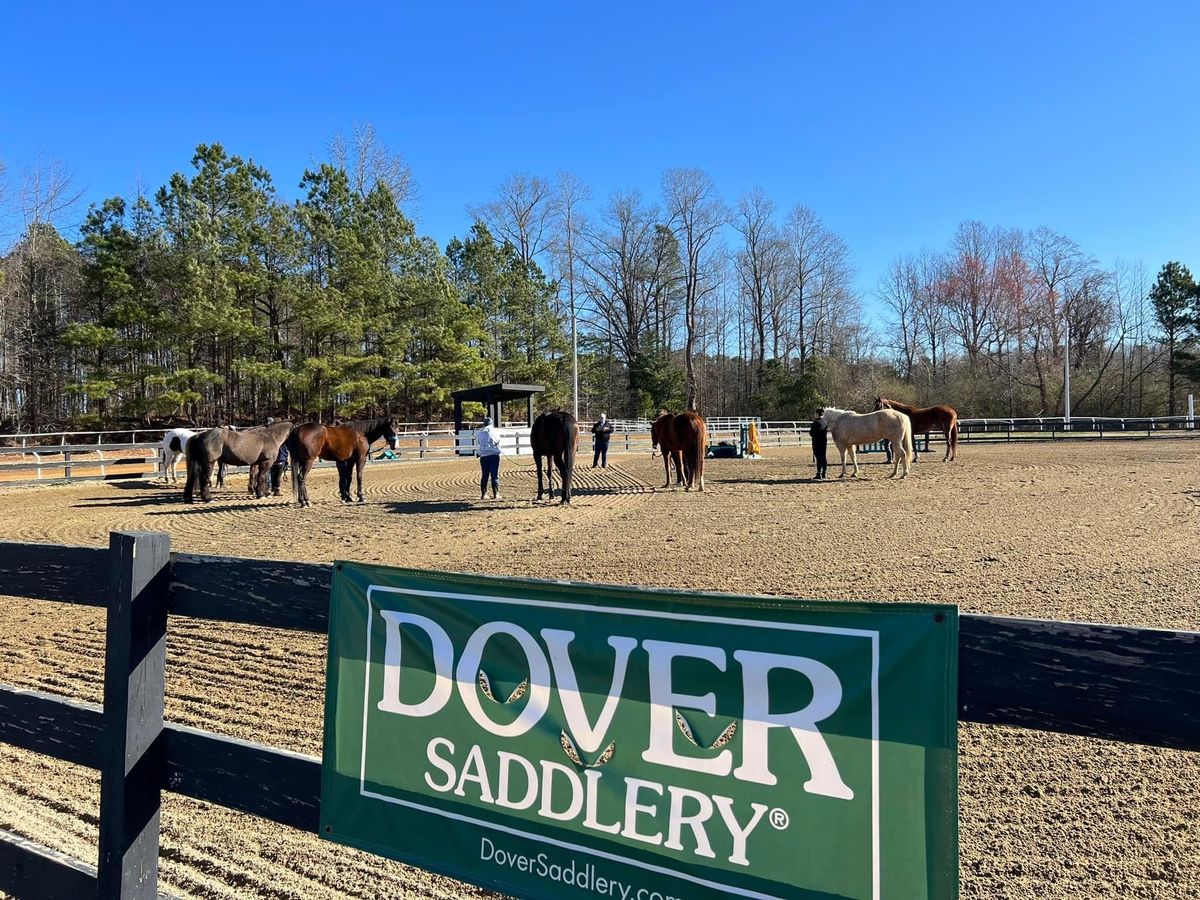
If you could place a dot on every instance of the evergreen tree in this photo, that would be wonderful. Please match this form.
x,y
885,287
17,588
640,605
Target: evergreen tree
x,y
1173,299
523,338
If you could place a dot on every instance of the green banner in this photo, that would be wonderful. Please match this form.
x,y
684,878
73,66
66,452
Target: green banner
x,y
552,739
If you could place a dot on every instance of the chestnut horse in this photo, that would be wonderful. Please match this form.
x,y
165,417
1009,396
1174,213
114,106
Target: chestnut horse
x,y
555,436
348,445
684,439
928,418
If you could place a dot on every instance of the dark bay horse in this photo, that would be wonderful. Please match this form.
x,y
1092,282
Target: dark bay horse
x,y
684,439
254,447
555,436
928,418
348,445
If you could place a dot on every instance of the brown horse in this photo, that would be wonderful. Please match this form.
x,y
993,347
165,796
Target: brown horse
x,y
555,436
348,445
683,438
928,418
253,447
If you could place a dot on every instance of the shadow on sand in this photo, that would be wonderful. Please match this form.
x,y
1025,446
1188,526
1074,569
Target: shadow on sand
x,y
425,507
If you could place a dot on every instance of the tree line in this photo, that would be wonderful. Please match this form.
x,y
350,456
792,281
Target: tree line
x,y
215,299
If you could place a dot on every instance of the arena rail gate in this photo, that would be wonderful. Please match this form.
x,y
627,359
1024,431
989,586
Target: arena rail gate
x,y
1134,685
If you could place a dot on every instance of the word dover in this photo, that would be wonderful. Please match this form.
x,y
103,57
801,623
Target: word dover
x,y
647,809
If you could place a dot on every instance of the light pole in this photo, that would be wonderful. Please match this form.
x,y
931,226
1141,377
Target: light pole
x,y
574,356
1067,377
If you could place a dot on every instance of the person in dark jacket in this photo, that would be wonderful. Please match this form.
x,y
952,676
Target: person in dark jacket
x,y
601,432
281,463
818,431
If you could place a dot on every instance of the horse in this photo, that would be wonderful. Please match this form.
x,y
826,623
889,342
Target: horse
x,y
684,438
173,446
929,418
348,445
662,435
851,428
555,436
252,447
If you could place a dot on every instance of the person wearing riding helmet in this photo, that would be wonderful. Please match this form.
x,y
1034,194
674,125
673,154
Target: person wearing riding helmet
x,y
487,444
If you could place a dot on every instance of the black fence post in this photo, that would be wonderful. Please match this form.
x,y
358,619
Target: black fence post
x,y
131,769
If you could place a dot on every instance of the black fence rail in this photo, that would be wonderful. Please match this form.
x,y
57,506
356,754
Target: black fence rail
x,y
1041,428
1125,684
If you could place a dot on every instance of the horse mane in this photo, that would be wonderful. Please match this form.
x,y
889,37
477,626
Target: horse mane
x,y
897,405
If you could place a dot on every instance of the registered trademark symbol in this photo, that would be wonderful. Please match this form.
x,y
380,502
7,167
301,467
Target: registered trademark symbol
x,y
779,819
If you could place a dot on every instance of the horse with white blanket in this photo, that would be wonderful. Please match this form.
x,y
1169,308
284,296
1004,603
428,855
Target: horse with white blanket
x,y
850,429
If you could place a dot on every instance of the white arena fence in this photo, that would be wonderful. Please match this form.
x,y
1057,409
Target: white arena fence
x,y
132,453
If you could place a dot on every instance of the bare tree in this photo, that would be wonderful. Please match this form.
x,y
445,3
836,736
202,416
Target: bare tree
x,y
523,213
696,215
624,272
764,274
368,161
822,297
1060,270
900,290
570,194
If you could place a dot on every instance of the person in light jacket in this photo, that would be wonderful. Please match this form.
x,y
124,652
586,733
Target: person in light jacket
x,y
487,444
601,432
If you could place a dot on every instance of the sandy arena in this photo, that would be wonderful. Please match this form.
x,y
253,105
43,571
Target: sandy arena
x,y
1099,532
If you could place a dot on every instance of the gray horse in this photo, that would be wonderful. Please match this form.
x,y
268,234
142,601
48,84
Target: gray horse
x,y
255,447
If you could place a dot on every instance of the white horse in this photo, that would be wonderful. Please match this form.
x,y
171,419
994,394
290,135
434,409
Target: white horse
x,y
173,446
851,428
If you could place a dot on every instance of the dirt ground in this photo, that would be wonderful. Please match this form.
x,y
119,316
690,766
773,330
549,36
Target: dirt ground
x,y
1099,532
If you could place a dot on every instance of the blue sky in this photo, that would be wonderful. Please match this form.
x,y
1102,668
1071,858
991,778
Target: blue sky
x,y
893,123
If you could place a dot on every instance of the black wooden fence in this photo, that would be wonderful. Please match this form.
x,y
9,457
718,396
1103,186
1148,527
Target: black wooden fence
x,y
1125,684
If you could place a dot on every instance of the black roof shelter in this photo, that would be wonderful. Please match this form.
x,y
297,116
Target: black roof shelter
x,y
492,396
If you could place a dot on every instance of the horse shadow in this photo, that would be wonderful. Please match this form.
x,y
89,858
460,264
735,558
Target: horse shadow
x,y
129,502
427,507
200,508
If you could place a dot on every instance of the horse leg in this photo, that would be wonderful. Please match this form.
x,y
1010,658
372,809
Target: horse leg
x,y
667,465
358,468
537,464
564,493
304,470
842,450
568,472
343,467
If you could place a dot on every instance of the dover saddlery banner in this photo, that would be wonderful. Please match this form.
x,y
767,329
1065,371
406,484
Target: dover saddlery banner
x,y
561,740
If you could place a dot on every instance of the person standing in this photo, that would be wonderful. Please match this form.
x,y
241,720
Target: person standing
x,y
487,445
818,431
601,432
281,462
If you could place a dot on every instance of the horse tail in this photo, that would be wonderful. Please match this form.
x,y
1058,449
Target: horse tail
x,y
293,445
196,474
695,455
570,444
908,440
954,435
